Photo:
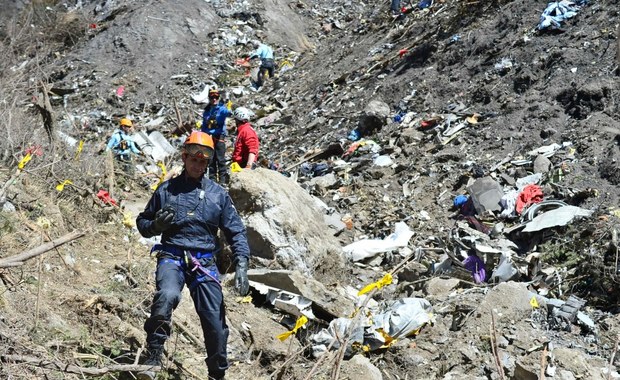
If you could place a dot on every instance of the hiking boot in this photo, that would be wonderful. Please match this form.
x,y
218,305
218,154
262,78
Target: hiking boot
x,y
153,359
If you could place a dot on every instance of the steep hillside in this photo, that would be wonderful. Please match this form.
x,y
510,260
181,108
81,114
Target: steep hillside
x,y
383,119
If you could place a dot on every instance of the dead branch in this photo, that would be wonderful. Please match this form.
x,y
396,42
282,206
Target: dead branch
x,y
10,261
613,357
71,368
45,107
543,362
495,348
178,115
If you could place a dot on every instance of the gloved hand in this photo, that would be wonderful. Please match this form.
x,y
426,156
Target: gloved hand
x,y
163,219
241,277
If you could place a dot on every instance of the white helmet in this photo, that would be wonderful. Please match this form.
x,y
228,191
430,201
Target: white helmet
x,y
243,114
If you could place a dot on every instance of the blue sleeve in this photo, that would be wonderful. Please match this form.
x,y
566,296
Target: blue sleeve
x,y
205,120
113,142
234,230
144,221
133,147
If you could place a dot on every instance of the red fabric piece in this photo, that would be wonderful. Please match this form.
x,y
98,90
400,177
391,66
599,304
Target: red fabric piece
x,y
246,143
402,52
529,195
120,91
104,196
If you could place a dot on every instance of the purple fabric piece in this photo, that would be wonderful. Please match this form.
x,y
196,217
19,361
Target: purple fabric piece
x,y
475,265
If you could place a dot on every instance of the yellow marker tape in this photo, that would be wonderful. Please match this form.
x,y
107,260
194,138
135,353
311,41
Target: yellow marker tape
x,y
199,124
246,299
235,168
79,149
162,176
24,161
61,186
229,105
534,303
128,220
386,280
300,322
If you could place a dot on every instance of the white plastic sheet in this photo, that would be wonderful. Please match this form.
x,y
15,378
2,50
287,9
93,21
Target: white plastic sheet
x,y
367,248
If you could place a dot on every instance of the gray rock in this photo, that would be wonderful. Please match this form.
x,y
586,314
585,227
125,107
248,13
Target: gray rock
x,y
441,287
283,221
542,164
360,367
486,193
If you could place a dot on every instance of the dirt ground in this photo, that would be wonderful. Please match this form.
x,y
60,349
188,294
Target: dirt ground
x,y
84,303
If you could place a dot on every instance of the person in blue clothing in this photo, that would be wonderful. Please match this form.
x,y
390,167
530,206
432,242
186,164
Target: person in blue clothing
x,y
121,144
187,211
267,64
214,124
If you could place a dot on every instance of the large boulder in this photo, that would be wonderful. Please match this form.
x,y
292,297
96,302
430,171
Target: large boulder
x,y
284,223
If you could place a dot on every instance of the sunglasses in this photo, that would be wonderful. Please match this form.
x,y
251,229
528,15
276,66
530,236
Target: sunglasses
x,y
214,97
198,151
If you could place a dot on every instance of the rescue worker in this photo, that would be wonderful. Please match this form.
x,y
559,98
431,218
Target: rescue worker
x,y
187,211
395,8
245,152
214,123
121,144
267,64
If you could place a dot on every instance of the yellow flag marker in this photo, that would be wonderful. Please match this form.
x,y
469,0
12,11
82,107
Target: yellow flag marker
x,y
386,280
246,299
162,176
235,168
79,149
300,322
534,303
24,161
61,186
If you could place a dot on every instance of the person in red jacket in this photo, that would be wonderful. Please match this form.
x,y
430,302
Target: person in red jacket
x,y
245,152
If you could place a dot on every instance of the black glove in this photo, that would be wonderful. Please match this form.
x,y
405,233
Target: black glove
x,y
241,277
163,219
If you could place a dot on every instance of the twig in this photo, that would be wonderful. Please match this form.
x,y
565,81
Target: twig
x,y
41,249
495,349
288,361
38,300
543,362
320,361
613,357
70,368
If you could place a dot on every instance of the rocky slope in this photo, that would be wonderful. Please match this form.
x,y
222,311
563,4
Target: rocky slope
x,y
403,85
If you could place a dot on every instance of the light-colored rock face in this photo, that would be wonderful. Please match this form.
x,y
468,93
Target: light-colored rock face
x,y
284,223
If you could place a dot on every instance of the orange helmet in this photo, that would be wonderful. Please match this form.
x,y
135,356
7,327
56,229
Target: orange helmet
x,y
199,144
126,122
214,93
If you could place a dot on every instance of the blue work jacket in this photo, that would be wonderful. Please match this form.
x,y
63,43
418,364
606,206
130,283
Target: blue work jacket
x,y
115,143
214,120
201,208
263,52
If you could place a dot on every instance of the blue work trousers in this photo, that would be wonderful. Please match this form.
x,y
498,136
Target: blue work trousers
x,y
218,166
209,303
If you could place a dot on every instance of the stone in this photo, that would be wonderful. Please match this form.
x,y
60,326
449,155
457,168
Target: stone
x,y
284,223
486,194
325,182
542,164
297,283
360,367
441,287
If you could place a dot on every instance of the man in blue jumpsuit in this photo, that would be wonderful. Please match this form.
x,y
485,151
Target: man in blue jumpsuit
x,y
265,53
214,123
121,144
187,211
